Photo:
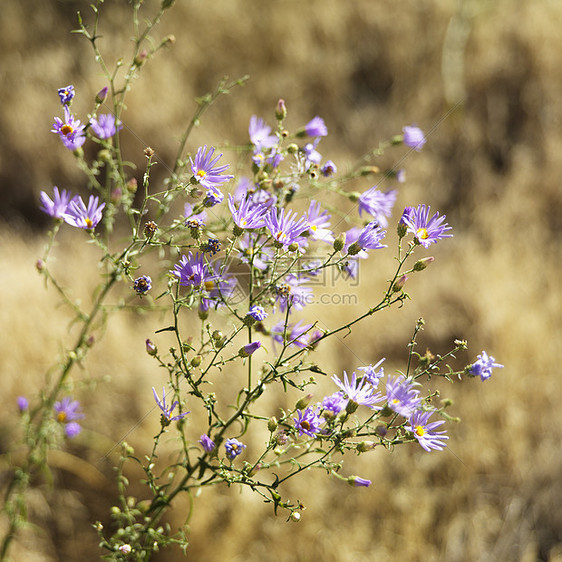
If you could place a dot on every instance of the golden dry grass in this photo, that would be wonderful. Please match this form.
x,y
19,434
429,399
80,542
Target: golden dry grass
x,y
493,165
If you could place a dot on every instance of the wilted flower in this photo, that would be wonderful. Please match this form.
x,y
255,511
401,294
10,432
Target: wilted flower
x,y
77,214
207,443
328,169
233,448
483,367
142,284
425,432
167,410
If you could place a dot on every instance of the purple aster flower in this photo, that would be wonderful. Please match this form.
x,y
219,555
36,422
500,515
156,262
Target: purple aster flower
x,y
80,216
70,130
259,257
192,220
402,396
233,448
316,127
104,126
334,403
102,94
318,222
249,349
371,374
311,155
167,410
66,94
213,197
260,134
426,230
207,443
358,481
424,431
284,227
192,270
142,285
67,410
56,207
359,392
413,137
205,170
369,239
257,312
328,169
308,421
377,204
23,403
248,215
72,429
483,367
297,334
219,286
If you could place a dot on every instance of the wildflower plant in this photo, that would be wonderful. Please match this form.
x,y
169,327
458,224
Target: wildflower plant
x,y
259,324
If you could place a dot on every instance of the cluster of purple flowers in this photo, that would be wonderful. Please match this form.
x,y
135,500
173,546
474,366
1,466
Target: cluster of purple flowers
x,y
67,411
72,209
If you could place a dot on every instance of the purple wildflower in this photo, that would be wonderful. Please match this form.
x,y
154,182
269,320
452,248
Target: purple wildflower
x,y
358,481
66,94
483,367
377,204
311,155
104,126
426,230
413,137
297,334
23,403
72,429
67,410
56,207
213,197
192,220
217,287
151,349
359,392
142,285
424,431
167,410
284,228
369,239
249,349
328,169
308,421
80,216
371,373
257,312
192,270
292,293
205,170
258,257
233,448
260,134
318,222
70,130
207,443
402,396
248,215
102,94
316,127
334,403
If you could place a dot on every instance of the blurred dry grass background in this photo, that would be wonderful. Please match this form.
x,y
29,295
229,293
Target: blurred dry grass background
x,y
493,165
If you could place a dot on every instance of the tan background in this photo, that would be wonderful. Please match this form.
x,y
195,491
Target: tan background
x,y
485,78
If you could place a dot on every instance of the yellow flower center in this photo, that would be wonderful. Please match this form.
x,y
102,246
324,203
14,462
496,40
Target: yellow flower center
x,y
419,430
305,424
209,285
89,222
314,228
201,174
422,233
61,416
66,130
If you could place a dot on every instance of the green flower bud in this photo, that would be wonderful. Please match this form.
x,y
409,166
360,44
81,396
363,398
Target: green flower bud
x,y
420,265
196,361
339,242
303,402
272,424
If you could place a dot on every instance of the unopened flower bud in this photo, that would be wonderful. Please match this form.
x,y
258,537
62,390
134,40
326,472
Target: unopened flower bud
x,y
354,249
132,185
280,110
203,313
90,340
217,335
354,196
101,95
365,446
293,247
140,59
167,4
339,242
420,265
104,155
196,361
303,402
381,430
169,40
272,424
368,170
399,284
295,516
150,348
292,148
358,481
40,265
249,349
401,229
